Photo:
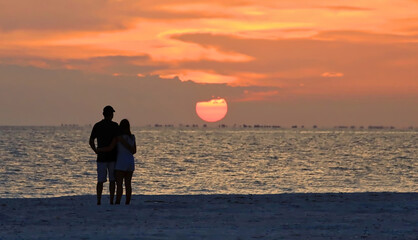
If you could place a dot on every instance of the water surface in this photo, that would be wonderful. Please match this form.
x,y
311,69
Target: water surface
x,y
57,161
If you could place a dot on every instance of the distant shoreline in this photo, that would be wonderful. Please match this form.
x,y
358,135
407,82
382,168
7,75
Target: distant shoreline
x,y
236,126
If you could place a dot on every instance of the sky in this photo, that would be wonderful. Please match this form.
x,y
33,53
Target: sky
x,y
324,62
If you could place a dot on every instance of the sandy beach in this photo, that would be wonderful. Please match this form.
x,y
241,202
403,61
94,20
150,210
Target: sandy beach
x,y
282,216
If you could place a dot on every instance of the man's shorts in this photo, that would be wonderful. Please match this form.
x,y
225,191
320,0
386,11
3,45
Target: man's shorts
x,y
103,168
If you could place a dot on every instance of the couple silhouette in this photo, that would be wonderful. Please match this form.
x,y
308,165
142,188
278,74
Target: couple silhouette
x,y
115,148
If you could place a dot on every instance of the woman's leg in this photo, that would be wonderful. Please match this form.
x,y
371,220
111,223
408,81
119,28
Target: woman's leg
x,y
128,186
119,182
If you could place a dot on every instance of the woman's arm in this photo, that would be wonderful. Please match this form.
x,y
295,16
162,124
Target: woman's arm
x,y
110,147
134,146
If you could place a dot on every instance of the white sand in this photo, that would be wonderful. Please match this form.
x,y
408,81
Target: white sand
x,y
284,216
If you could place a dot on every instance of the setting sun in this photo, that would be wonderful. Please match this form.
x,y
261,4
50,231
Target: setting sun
x,y
213,110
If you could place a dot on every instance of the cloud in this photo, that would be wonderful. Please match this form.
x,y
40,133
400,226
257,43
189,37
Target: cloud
x,y
110,15
361,36
92,15
122,65
250,96
332,74
62,15
288,62
407,24
346,8
113,15
283,63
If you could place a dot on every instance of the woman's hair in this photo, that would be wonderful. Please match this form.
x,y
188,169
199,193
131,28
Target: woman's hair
x,y
125,127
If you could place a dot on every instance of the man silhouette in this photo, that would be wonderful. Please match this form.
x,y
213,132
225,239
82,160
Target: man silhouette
x,y
105,131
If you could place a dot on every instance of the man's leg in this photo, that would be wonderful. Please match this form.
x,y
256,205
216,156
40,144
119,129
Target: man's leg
x,y
112,191
101,178
111,169
99,190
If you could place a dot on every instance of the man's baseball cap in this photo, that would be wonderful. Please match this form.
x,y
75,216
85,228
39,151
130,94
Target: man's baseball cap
x,y
108,109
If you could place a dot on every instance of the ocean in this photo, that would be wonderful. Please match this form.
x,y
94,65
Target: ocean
x,y
57,161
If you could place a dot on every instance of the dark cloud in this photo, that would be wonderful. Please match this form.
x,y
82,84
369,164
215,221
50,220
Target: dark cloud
x,y
62,15
123,65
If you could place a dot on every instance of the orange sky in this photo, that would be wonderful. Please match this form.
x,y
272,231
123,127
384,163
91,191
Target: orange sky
x,y
321,49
